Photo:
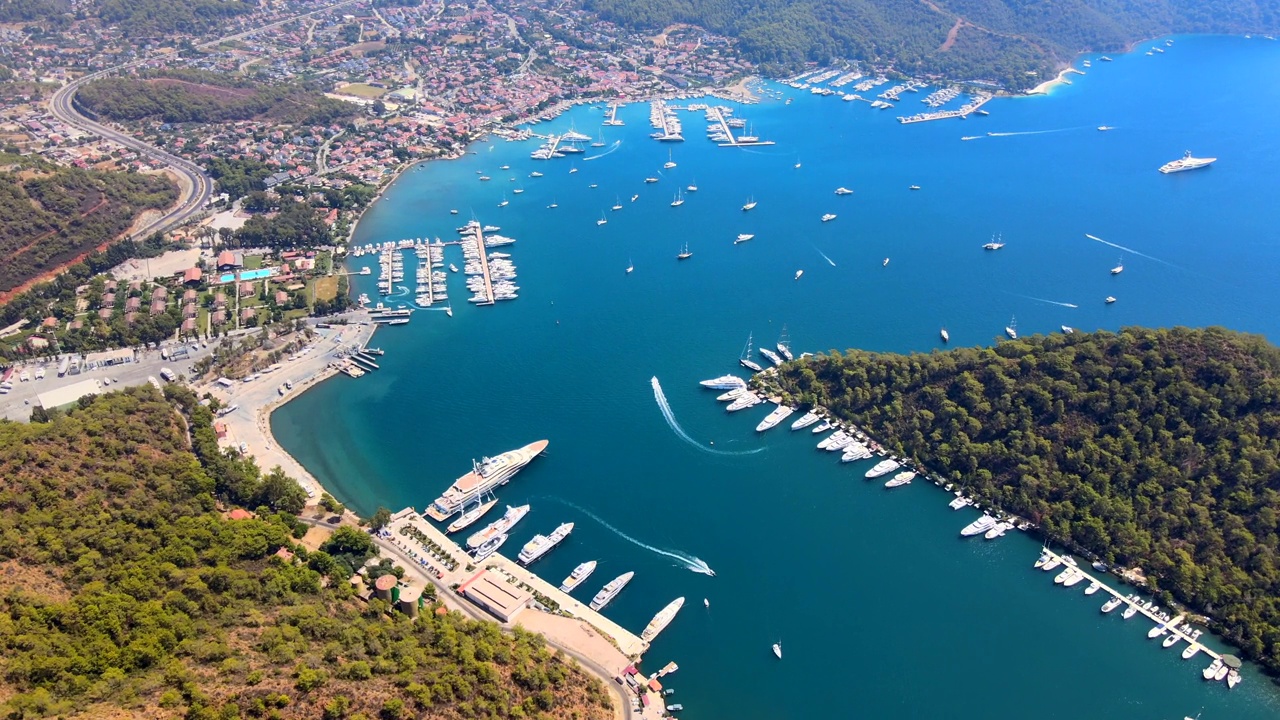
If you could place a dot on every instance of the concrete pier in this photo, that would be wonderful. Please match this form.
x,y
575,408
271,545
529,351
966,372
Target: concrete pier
x,y
484,268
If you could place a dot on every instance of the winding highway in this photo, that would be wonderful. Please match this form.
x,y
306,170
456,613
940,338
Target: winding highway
x,y
197,188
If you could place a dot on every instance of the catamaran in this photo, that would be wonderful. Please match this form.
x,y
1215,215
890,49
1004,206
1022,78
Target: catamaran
x,y
746,361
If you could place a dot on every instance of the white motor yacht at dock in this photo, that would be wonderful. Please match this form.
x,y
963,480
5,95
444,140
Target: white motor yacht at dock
x,y
884,467
661,620
578,576
542,544
979,526
724,382
499,526
490,546
780,413
902,478
611,590
805,420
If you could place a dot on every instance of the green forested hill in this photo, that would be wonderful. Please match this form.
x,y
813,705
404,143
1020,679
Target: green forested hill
x,y
124,593
997,39
1150,448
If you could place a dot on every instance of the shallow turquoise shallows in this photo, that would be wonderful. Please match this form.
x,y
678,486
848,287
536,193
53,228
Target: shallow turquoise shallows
x,y
882,609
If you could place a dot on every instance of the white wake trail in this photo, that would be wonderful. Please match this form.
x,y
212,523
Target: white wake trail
x,y
1030,132
670,417
1051,302
616,144
691,562
824,256
1128,250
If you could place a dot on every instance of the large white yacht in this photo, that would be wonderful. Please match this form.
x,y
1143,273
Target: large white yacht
x,y
743,237
490,546
884,467
979,527
771,356
485,475
724,382
579,574
805,420
780,413
903,478
611,590
1186,162
661,620
542,544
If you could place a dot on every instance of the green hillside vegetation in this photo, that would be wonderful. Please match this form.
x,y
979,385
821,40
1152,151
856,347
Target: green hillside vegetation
x,y
1158,449
150,18
125,593
50,215
998,40
181,96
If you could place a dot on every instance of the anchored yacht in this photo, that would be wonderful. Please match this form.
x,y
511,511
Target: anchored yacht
x,y
1186,162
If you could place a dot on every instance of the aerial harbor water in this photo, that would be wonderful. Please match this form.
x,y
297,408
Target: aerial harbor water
x,y
883,610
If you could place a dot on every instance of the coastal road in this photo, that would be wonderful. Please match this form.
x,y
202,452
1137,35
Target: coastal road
x,y
196,187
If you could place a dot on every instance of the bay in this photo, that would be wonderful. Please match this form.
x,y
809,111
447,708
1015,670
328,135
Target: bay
x,y
882,609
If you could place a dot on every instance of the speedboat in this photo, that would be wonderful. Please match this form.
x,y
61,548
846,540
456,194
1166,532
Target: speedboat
x,y
1093,588
1233,678
743,237
1051,563
828,217
799,273
1110,299
1171,640
1130,611
1212,670
1068,330
1191,650
946,336
1111,604
1074,579
998,531
884,467
777,649
843,191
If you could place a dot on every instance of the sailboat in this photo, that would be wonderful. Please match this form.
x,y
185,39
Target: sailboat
x,y
1012,329
678,201
553,205
630,266
693,186
797,163
746,361
518,190
504,201
599,141
1119,268
777,649
572,169
751,203
601,221
784,344
669,163
684,254
448,309
617,203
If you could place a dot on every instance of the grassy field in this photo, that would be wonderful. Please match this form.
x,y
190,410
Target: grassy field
x,y
252,262
325,288
362,90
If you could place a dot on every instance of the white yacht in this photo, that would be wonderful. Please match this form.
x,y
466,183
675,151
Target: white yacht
x,y
1171,640
1191,650
1050,564
744,401
777,649
854,452
602,220
579,574
1061,577
751,204
669,163
1213,668
630,266
611,590
724,382
1233,678
553,205
635,197
684,253
1119,268
1012,329
828,217
542,544
822,427
805,420
617,204
1093,588
799,274
902,478
746,361
661,620
1111,604
784,342
535,173
490,546
743,237
946,336
484,477
1186,162
780,413
1130,611
693,187
995,244
978,527
1068,330
1074,579
1109,299
843,191
998,530
678,201
884,467
733,394
453,268
771,356
498,527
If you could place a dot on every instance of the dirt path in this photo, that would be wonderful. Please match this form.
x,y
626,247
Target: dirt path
x,y
951,35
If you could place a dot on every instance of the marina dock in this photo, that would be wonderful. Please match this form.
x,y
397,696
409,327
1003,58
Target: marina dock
x,y
613,115
627,642
1172,625
484,266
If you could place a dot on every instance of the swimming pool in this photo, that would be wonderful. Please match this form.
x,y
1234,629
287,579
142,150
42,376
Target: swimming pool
x,y
248,275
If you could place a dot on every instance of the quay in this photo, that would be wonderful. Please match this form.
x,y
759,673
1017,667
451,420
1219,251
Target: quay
x,y
613,115
1171,625
717,118
628,643
962,112
484,266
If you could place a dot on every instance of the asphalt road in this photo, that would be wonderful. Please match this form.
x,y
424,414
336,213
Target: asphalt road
x,y
199,186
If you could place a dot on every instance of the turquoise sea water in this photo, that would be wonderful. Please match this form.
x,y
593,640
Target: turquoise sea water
x,y
882,609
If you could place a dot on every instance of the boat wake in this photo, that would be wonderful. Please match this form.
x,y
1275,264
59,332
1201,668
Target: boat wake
x,y
670,417
1030,132
616,144
403,291
824,256
690,562
1128,250
1051,302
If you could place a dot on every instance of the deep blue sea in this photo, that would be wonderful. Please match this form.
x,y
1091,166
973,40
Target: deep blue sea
x,y
882,609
